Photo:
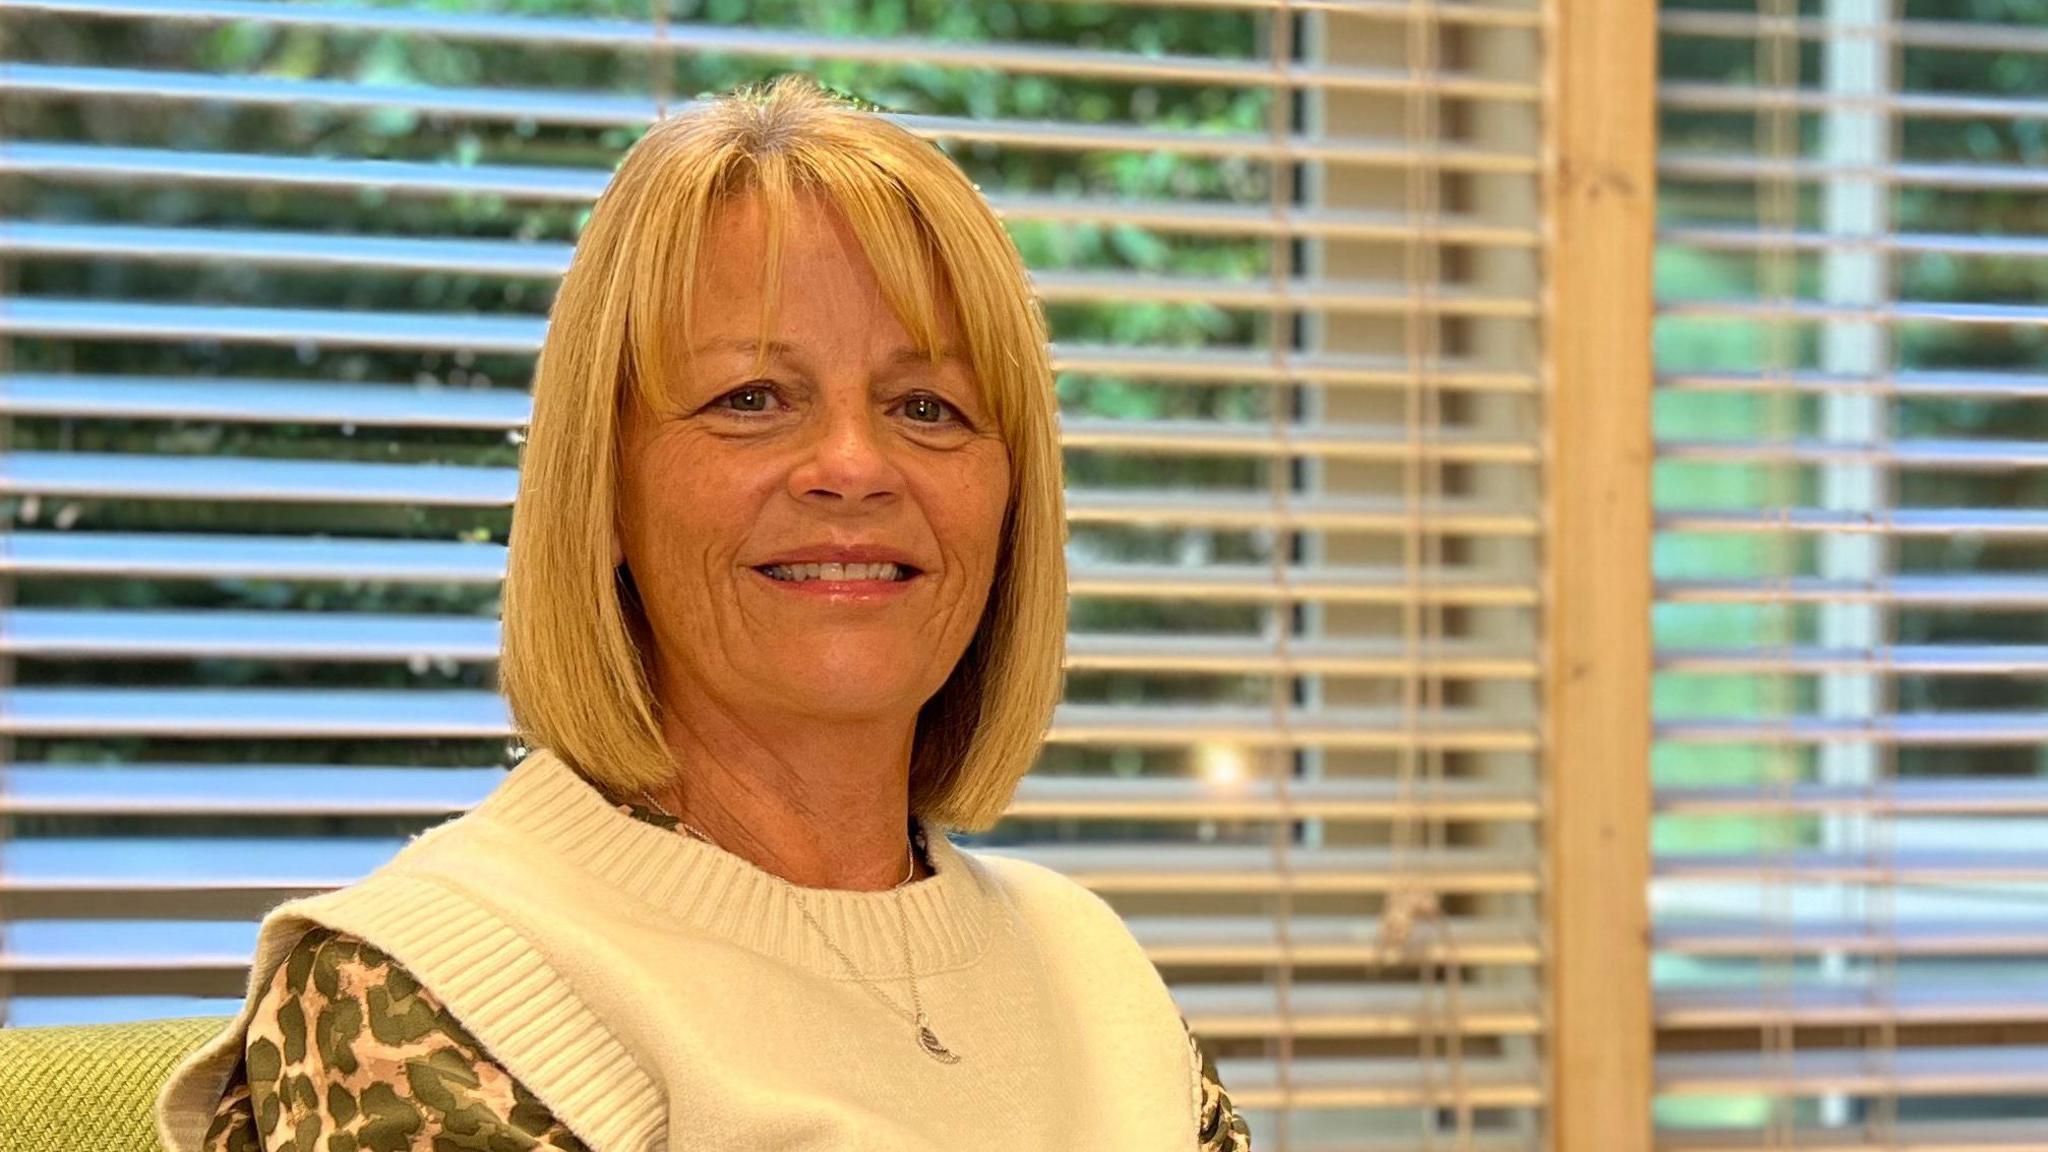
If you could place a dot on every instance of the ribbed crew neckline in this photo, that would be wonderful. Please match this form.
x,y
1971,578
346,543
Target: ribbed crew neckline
x,y
692,883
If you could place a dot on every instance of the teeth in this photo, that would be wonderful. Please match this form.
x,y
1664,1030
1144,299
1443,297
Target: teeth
x,y
798,573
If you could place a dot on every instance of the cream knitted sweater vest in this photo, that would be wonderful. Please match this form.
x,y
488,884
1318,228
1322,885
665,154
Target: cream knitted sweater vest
x,y
657,992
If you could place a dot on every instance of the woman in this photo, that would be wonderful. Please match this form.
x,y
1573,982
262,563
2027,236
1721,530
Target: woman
x,y
785,591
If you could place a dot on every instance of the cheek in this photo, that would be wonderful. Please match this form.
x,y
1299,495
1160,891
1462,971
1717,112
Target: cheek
x,y
992,522
973,516
694,506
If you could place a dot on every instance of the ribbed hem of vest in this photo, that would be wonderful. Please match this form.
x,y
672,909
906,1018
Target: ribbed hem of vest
x,y
947,916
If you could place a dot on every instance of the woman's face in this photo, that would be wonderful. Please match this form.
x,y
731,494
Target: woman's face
x,y
848,442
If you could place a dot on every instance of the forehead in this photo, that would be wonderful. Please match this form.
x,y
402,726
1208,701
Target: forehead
x,y
814,231
825,278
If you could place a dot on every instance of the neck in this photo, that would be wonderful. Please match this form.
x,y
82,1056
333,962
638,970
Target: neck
x,y
818,803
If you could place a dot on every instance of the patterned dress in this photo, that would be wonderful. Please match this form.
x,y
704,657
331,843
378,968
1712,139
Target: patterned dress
x,y
349,1053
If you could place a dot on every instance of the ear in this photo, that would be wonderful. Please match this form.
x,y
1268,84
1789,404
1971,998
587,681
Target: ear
x,y
618,553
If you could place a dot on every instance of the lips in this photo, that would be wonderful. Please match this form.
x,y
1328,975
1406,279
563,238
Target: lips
x,y
840,551
846,593
804,573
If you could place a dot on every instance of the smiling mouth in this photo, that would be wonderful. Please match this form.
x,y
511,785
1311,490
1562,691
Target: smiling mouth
x,y
839,573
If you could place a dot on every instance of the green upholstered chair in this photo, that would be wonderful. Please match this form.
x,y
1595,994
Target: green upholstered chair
x,y
90,1087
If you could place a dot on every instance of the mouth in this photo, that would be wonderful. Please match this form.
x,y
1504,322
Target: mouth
x,y
840,575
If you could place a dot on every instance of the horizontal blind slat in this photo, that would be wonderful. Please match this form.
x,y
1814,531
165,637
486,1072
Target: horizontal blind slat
x,y
1915,795
1934,729
1904,1001
1888,660
594,109
1953,384
1745,169
282,789
1897,312
1892,868
1023,59
1983,36
2024,522
1898,452
1940,590
1918,243
1816,935
1954,1071
1911,1136
1932,105
538,259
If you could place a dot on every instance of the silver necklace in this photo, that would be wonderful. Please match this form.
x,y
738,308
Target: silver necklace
x,y
925,1037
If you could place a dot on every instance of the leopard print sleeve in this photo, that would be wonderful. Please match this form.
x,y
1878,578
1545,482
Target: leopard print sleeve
x,y
347,1052
1218,1127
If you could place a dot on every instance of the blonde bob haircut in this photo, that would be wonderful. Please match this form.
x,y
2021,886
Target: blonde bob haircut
x,y
573,666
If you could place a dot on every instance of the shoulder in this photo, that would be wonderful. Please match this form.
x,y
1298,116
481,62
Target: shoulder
x,y
1081,939
1040,888
1065,916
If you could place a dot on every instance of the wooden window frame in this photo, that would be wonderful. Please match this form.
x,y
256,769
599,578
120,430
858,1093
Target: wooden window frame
x,y
1602,180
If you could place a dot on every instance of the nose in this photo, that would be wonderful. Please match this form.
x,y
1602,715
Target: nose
x,y
847,458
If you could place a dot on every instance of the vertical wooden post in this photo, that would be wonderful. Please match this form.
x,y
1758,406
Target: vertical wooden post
x,y
1602,136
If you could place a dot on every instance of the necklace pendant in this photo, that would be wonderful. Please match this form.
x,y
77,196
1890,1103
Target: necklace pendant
x,y
931,1044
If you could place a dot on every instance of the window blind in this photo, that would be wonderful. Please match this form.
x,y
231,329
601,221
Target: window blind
x,y
1850,884
277,275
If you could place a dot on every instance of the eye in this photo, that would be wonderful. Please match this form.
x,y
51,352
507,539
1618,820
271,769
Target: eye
x,y
753,397
925,402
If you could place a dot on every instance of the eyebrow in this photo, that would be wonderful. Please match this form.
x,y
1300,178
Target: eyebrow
x,y
790,350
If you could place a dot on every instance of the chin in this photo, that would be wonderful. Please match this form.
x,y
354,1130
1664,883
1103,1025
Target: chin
x,y
863,687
